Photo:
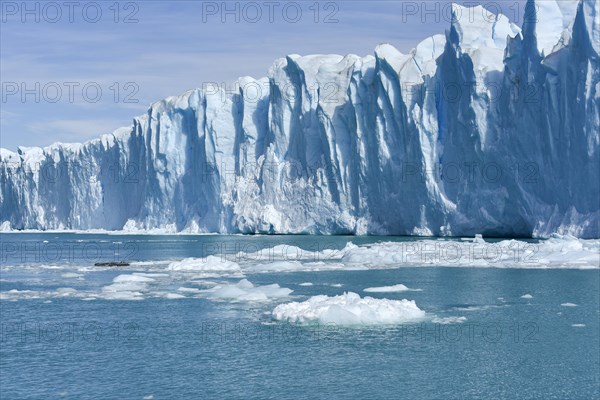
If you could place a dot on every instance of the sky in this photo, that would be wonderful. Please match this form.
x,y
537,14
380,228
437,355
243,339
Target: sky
x,y
72,71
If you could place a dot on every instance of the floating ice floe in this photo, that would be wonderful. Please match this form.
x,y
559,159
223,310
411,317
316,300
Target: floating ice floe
x,y
290,252
15,294
390,289
557,252
349,309
71,275
127,287
189,290
173,296
246,291
209,267
476,308
449,320
210,263
278,266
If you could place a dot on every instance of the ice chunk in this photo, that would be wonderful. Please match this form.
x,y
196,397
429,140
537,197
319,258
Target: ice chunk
x,y
245,291
390,289
127,287
449,320
174,296
569,305
189,290
279,266
208,264
71,275
349,309
125,278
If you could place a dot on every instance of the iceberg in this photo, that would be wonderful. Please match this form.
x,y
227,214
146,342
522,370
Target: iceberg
x,y
127,287
448,320
390,289
349,309
487,129
211,264
246,291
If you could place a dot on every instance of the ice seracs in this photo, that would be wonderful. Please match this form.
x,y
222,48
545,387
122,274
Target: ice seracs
x,y
550,20
487,128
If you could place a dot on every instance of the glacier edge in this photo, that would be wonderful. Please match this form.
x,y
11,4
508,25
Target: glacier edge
x,y
487,129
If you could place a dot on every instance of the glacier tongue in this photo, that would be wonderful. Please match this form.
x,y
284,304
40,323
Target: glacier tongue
x,y
487,129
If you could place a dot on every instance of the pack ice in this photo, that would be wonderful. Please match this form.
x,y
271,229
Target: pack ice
x,y
489,128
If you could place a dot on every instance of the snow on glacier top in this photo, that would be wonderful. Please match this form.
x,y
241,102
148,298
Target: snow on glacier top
x,y
427,52
483,36
556,15
478,27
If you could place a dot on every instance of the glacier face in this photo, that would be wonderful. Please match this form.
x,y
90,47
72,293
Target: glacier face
x,y
487,129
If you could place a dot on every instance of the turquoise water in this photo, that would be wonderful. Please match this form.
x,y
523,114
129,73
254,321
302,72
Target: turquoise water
x,y
508,347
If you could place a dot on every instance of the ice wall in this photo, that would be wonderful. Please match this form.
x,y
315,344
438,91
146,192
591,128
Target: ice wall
x,y
487,129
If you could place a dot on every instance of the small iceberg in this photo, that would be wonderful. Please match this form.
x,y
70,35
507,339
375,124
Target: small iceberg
x,y
569,305
350,309
246,291
212,264
390,289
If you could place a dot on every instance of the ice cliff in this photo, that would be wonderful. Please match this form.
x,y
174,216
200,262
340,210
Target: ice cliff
x,y
490,128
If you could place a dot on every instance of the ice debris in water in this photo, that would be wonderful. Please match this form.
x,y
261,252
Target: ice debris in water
x,y
349,309
246,291
390,289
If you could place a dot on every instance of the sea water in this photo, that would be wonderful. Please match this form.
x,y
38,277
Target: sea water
x,y
193,317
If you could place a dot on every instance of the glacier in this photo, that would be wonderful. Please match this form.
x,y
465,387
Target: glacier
x,y
489,129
